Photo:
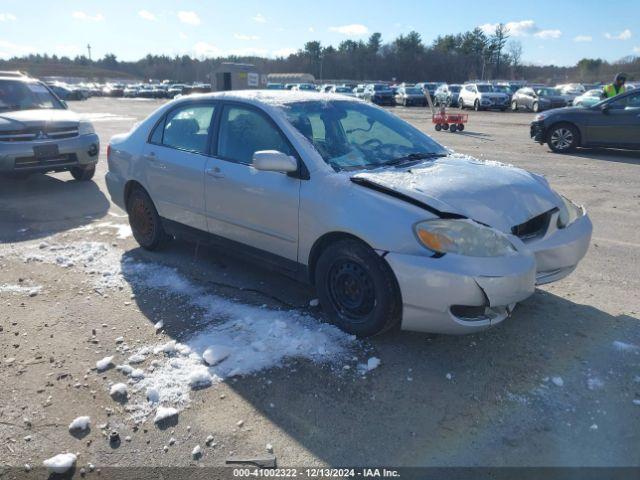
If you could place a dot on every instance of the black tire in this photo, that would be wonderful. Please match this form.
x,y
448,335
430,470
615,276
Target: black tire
x,y
445,126
460,127
535,107
563,138
453,127
514,106
438,127
476,105
145,222
461,104
357,288
83,174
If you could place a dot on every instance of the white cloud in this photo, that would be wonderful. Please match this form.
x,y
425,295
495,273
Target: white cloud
x,y
583,38
203,49
147,15
7,17
623,35
284,52
636,49
9,49
311,29
521,28
240,36
189,17
98,17
547,34
352,30
259,18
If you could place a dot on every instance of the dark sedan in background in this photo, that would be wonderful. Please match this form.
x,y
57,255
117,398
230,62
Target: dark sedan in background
x,y
614,123
379,93
537,99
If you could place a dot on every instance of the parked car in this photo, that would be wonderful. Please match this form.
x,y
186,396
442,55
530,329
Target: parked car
x,y
538,99
447,95
506,89
38,134
275,86
305,87
614,122
482,96
130,91
379,93
67,93
390,227
326,88
359,91
176,89
431,87
588,98
410,96
342,90
570,91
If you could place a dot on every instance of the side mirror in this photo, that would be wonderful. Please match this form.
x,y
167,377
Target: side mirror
x,y
605,108
274,161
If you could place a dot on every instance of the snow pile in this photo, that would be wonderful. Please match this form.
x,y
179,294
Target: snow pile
x,y
625,347
122,230
163,413
60,463
19,289
104,364
371,364
80,423
118,391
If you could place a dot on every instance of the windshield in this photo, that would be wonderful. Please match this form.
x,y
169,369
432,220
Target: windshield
x,y
485,88
454,88
413,91
343,90
547,92
20,95
378,88
354,135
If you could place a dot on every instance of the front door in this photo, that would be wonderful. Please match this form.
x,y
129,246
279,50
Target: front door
x,y
175,157
619,125
253,207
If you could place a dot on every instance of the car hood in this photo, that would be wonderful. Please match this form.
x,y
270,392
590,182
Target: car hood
x,y
493,95
491,193
20,119
554,98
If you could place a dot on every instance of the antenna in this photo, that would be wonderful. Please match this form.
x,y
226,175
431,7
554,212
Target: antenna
x,y
89,50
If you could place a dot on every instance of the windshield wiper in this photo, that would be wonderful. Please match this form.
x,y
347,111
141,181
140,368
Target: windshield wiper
x,y
412,157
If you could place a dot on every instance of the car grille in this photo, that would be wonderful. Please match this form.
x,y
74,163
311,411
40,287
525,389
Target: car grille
x,y
35,133
533,228
33,162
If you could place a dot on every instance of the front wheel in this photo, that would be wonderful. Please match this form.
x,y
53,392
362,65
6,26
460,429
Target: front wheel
x,y
83,173
535,107
357,288
563,138
461,104
476,105
453,128
514,106
438,127
460,127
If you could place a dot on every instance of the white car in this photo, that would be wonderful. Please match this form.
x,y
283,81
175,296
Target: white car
x,y
390,226
482,96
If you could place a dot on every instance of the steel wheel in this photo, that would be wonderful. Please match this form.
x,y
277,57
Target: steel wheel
x,y
351,290
145,222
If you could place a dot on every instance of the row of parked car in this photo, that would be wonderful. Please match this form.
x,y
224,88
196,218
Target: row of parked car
x,y
479,95
82,91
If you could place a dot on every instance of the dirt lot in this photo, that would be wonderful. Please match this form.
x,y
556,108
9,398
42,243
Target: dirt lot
x,y
558,384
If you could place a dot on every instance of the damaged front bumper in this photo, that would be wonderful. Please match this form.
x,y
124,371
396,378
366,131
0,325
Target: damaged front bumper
x,y
455,294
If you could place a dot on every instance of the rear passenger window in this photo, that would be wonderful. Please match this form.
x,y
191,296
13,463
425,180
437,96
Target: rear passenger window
x,y
187,128
244,131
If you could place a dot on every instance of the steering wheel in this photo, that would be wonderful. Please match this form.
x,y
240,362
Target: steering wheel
x,y
371,141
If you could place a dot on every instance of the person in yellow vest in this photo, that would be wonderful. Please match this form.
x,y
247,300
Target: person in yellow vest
x,y
615,88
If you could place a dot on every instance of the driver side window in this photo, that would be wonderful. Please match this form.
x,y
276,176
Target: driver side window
x,y
629,102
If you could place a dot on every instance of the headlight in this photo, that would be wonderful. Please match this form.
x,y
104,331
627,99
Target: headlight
x,y
540,117
569,213
85,128
463,237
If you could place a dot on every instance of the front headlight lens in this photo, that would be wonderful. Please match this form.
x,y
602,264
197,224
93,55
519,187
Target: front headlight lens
x,y
85,128
463,237
569,213
540,117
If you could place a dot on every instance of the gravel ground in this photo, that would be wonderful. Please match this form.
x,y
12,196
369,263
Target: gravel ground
x,y
558,384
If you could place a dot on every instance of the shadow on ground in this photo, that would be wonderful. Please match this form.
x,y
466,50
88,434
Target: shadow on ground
x,y
485,399
42,205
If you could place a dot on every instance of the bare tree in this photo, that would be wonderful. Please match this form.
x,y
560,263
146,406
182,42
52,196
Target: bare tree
x,y
514,50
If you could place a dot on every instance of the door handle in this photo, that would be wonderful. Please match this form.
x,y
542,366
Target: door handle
x,y
214,172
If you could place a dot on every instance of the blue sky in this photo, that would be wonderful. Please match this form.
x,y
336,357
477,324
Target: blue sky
x,y
559,32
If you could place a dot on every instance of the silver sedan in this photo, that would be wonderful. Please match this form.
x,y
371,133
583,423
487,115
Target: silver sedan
x,y
391,227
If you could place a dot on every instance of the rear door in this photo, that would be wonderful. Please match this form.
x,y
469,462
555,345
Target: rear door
x,y
175,158
619,125
253,207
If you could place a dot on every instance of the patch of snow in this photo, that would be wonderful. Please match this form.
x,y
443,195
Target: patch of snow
x,y
60,463
162,413
636,401
196,452
215,354
118,390
19,289
200,377
625,347
448,376
594,383
314,303
105,363
557,381
593,427
153,395
80,423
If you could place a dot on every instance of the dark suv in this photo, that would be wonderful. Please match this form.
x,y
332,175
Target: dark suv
x,y
39,134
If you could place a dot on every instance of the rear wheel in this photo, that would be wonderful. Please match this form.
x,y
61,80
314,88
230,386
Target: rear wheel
x,y
460,127
438,127
461,104
445,126
535,107
514,106
145,222
83,173
563,138
357,288
476,105
453,128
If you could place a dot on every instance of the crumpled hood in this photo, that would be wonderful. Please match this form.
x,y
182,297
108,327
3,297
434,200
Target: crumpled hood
x,y
10,121
492,193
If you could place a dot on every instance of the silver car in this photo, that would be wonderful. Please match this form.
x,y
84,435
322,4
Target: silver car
x,y
390,227
38,134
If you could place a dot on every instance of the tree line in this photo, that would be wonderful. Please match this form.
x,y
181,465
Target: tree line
x,y
450,58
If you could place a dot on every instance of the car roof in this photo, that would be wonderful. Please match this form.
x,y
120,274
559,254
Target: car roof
x,y
270,97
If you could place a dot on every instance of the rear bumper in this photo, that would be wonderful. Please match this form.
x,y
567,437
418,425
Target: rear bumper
x,y
435,290
82,150
115,186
